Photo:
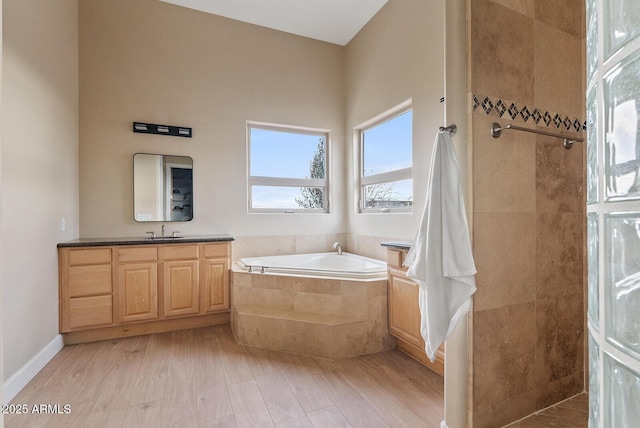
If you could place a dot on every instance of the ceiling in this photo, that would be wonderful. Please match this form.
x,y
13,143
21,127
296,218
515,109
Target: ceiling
x,y
333,21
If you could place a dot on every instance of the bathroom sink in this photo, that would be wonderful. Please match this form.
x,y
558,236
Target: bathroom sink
x,y
165,238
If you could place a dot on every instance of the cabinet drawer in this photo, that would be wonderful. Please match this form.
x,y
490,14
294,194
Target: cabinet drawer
x,y
93,256
216,250
180,252
138,254
90,311
89,280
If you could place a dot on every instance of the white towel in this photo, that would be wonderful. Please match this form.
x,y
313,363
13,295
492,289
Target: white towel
x,y
440,260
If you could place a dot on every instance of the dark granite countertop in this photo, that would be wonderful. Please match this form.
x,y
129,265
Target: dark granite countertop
x,y
103,242
404,245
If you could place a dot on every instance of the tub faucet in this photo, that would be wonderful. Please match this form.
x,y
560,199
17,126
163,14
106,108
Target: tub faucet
x,y
336,245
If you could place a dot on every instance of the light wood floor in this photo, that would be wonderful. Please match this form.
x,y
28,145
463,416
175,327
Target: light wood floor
x,y
202,378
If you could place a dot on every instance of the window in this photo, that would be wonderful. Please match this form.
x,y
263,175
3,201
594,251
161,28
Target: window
x,y
386,171
287,169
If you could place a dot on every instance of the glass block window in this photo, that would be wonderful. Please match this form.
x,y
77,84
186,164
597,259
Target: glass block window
x,y
592,37
622,284
621,24
622,150
592,250
622,394
594,383
592,147
613,205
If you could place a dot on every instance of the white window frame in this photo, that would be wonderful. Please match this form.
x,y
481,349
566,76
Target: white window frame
x,y
289,182
385,177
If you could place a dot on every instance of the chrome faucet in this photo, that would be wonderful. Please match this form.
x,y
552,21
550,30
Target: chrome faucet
x,y
336,245
163,228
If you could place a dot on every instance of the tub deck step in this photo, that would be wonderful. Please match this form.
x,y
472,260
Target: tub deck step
x,y
308,317
318,335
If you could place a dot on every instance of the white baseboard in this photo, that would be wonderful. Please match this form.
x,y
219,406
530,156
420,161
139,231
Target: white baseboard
x,y
23,376
443,424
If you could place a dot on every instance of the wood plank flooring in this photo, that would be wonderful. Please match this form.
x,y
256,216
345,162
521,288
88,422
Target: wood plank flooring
x,y
202,378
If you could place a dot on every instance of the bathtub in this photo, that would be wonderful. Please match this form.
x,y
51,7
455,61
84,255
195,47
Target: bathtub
x,y
323,304
345,265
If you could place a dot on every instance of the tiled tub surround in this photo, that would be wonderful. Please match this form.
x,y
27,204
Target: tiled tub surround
x,y
324,317
529,221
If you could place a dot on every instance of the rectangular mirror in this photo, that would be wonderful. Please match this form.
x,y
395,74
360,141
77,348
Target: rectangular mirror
x,y
162,187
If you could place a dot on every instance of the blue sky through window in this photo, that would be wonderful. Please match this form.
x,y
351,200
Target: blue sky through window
x,y
387,146
282,154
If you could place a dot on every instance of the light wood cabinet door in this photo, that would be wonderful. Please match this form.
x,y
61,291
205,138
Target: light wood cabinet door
x,y
404,310
216,285
181,288
138,291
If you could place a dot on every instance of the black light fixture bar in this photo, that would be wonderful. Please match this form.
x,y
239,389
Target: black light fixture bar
x,y
150,128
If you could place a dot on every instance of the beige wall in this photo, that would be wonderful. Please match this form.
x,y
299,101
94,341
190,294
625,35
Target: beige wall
x,y
399,55
528,211
39,167
154,62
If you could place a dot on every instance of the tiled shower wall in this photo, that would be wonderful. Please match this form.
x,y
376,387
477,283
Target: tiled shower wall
x,y
528,207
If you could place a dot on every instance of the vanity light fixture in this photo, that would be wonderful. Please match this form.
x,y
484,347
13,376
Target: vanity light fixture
x,y
150,128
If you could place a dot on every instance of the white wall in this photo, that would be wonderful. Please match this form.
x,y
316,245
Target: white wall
x,y
39,167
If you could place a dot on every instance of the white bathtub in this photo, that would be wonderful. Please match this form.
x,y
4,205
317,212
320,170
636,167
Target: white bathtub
x,y
345,265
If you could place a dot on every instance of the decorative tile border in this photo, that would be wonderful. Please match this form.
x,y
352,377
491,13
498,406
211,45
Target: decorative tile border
x,y
499,107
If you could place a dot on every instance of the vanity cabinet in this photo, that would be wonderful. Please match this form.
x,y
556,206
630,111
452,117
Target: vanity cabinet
x,y
404,312
87,299
215,277
137,283
181,280
123,290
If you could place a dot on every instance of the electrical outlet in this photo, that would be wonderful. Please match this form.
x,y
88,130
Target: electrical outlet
x,y
63,224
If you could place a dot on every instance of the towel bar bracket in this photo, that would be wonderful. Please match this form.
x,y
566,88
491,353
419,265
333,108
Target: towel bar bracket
x,y
451,129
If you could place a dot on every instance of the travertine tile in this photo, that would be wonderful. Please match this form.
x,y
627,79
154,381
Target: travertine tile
x,y
355,307
279,299
560,344
252,246
504,174
525,7
560,251
501,52
558,87
306,244
317,303
567,15
505,277
504,412
559,177
504,346
556,391
311,285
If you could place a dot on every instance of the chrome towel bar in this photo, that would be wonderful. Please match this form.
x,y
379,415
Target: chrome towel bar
x,y
567,142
